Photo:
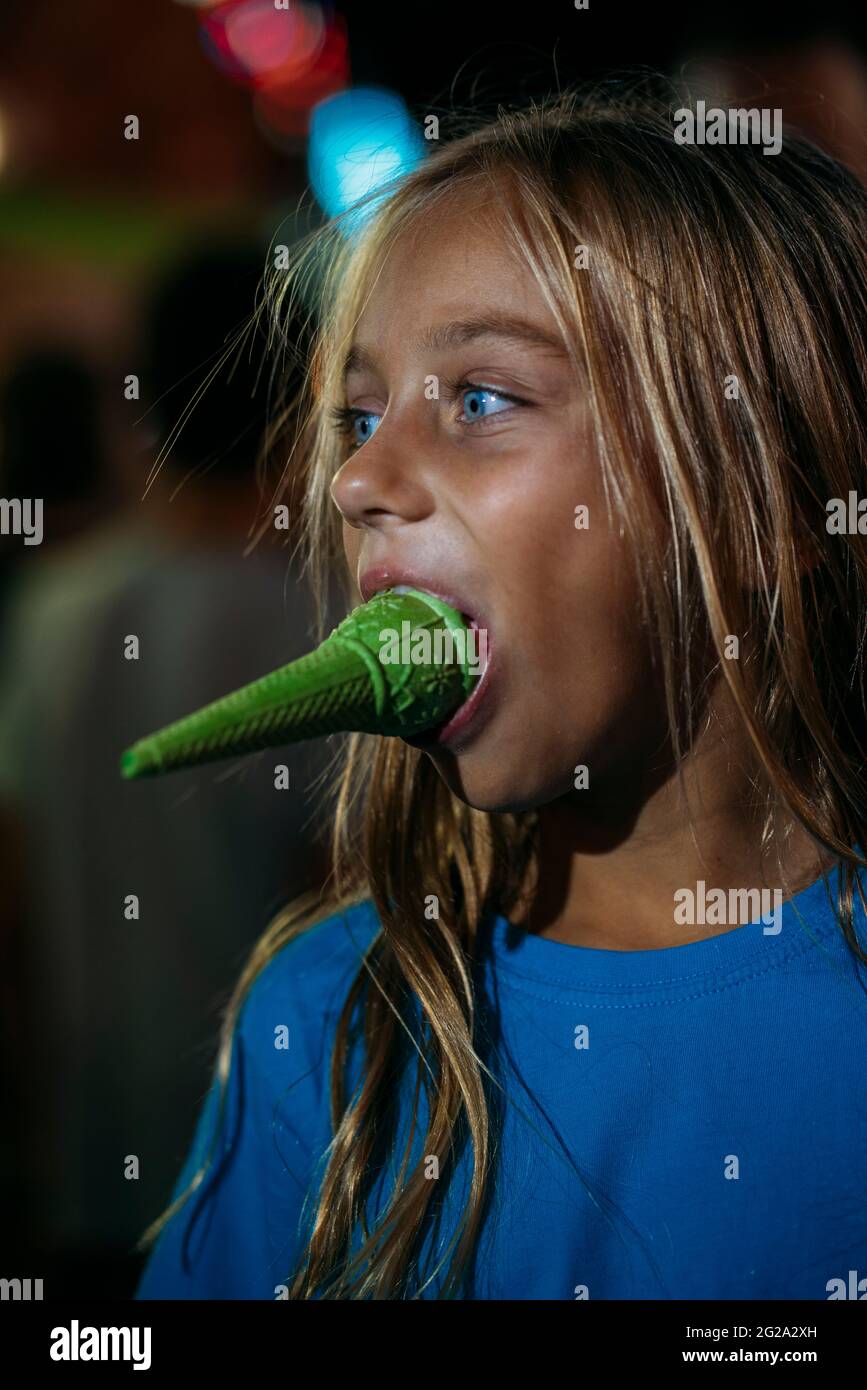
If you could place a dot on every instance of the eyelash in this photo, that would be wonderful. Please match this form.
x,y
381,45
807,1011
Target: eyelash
x,y
343,417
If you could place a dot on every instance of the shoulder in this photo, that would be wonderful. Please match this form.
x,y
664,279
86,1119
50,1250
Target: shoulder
x,y
298,995
321,957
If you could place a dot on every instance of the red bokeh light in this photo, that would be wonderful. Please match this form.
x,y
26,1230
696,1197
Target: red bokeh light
x,y
291,58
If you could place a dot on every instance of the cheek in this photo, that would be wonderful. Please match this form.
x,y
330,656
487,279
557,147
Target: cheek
x,y
567,569
577,606
543,506
351,547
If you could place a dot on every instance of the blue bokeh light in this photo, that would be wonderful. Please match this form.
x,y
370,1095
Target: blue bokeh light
x,y
360,140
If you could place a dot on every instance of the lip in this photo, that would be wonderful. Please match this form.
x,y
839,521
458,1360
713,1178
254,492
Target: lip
x,y
478,703
385,576
468,717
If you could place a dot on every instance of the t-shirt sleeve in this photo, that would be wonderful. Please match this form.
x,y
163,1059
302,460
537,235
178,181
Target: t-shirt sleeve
x,y
239,1234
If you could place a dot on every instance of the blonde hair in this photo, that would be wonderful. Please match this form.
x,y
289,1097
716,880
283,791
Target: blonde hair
x,y
704,263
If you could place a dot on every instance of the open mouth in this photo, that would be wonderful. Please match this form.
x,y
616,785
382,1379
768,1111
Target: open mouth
x,y
469,714
467,717
476,650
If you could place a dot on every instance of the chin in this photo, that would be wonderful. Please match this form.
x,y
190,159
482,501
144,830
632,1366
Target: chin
x,y
493,787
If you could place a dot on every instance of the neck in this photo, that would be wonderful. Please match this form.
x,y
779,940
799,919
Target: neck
x,y
609,866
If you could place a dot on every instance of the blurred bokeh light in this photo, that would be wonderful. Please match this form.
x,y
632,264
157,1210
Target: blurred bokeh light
x,y
360,141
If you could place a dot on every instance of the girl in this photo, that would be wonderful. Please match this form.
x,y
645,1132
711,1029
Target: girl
x,y
583,1015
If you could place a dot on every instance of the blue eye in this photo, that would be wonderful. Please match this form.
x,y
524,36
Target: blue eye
x,y
477,402
361,428
476,399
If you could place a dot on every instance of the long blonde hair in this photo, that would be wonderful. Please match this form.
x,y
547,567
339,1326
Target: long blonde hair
x,y
704,264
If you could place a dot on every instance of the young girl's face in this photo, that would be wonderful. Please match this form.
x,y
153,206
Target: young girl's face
x,y
472,451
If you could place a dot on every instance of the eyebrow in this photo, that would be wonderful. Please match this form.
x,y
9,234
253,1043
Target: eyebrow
x,y
462,331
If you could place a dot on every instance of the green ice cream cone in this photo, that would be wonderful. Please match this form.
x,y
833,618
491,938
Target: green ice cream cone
x,y
356,680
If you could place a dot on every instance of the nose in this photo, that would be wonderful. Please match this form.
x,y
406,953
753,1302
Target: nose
x,y
375,488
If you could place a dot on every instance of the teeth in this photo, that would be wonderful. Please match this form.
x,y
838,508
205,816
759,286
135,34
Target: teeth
x,y
400,589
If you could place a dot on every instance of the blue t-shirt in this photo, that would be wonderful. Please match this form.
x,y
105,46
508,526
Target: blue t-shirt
x,y
684,1123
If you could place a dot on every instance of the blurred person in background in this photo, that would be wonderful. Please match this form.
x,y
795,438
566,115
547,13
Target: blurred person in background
x,y
51,436
208,853
51,443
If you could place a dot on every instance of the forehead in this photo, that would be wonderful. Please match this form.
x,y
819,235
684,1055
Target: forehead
x,y
450,263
